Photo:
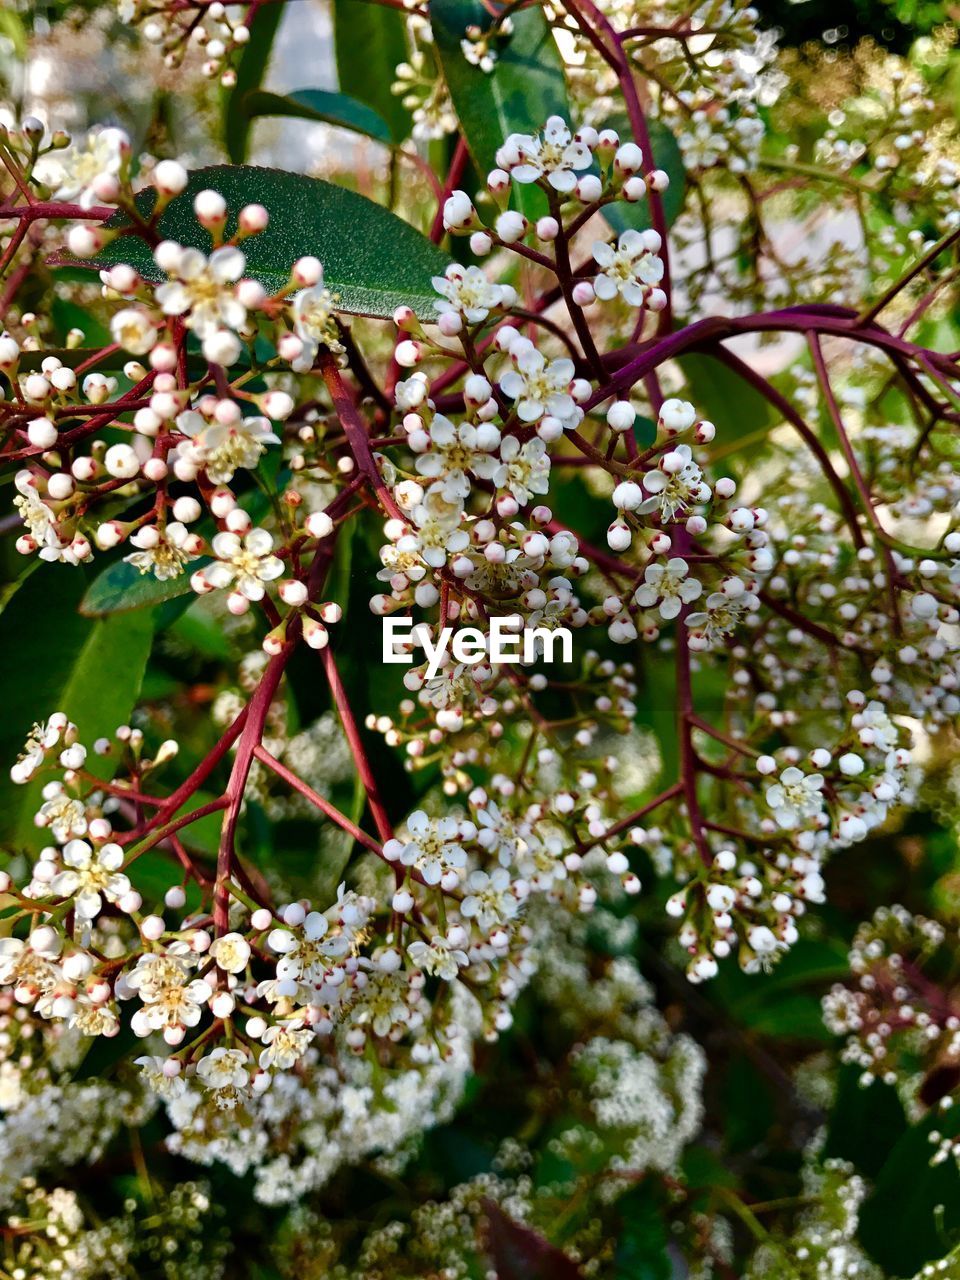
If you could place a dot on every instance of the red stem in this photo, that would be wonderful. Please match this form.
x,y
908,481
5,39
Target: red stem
x,y
352,731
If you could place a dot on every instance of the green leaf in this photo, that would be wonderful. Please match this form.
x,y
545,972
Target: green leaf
x,y
197,630
67,315
656,710
902,1224
790,1016
30,361
858,1116
89,670
122,587
12,28
370,43
666,155
371,258
642,1238
320,104
736,408
747,1105
204,834
703,1169
525,86
644,431
250,73
784,1004
153,873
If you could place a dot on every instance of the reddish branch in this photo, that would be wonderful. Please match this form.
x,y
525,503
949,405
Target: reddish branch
x,y
257,711
616,374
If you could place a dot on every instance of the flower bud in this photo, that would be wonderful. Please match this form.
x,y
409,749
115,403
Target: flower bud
x,y
42,433
211,209
170,178
621,416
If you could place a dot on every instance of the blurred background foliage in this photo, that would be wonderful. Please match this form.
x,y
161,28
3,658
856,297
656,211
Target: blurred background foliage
x,y
773,1079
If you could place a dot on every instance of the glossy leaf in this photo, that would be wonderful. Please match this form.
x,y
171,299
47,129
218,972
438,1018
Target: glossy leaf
x,y
250,73
644,431
732,404
122,587
920,1199
320,105
525,86
370,43
666,155
90,670
373,260
642,1239
858,1115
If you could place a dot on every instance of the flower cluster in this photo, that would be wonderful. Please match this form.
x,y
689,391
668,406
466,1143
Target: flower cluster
x,y
731,533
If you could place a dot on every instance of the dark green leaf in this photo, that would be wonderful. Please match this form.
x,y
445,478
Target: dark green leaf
x,y
525,86
642,1239
319,104
644,431
198,630
370,43
122,587
858,1116
153,873
913,1203
666,155
250,73
204,834
731,404
372,259
703,1170
90,670
747,1106
786,1003
789,1016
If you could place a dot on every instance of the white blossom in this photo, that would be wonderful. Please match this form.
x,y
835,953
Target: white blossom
x,y
797,798
539,386
89,876
247,562
554,155
630,269
669,586
203,290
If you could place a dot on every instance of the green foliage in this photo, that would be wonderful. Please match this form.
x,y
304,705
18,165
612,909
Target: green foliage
x,y
741,415
250,72
859,1116
373,260
89,670
525,86
122,587
370,43
321,105
642,1242
665,155
923,1200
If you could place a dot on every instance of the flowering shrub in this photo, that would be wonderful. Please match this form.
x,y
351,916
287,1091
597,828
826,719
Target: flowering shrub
x,y
640,333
